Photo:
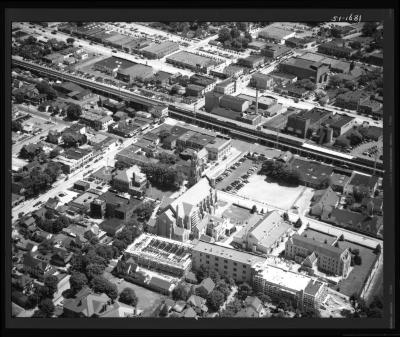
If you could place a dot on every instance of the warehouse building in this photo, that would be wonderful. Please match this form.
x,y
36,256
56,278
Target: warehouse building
x,y
159,50
275,34
112,65
316,71
192,61
136,72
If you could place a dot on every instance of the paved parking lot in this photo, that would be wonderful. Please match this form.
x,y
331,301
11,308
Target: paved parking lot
x,y
236,173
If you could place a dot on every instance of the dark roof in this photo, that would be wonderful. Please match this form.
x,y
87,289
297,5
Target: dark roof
x,y
208,284
363,180
325,197
160,283
317,246
312,172
313,287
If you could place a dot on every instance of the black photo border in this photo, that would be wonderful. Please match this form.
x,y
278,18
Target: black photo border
x,y
148,11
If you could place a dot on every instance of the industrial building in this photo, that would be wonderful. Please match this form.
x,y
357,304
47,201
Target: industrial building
x,y
274,51
112,65
275,34
218,148
226,87
192,61
316,71
137,72
261,81
161,254
252,61
159,50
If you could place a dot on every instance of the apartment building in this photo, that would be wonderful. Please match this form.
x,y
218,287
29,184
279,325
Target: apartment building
x,y
226,261
72,159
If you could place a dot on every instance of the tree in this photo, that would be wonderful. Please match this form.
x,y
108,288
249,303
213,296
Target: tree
x,y
128,296
74,111
180,292
355,45
16,126
224,34
253,209
357,260
378,249
298,223
54,153
51,283
77,281
70,40
341,237
94,270
201,292
46,306
19,98
285,216
243,26
244,290
45,88
369,28
215,300
45,247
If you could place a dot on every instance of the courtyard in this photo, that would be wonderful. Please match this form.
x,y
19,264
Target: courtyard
x,y
355,281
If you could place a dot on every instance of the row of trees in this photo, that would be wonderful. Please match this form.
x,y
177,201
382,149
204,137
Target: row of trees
x,y
236,38
280,172
163,176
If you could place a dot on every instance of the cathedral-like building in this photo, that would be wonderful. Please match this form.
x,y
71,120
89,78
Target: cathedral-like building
x,y
180,218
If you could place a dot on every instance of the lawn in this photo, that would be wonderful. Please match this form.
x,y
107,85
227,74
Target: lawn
x,y
237,214
154,193
270,193
354,282
147,300
319,236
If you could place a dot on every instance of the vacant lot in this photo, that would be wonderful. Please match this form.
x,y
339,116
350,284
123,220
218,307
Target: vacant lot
x,y
354,282
148,300
270,193
154,193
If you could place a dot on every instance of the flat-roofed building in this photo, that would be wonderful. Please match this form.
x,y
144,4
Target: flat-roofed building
x,y
275,34
300,124
96,121
136,72
257,45
112,65
361,180
218,148
274,51
226,87
233,71
334,49
234,103
330,259
227,262
261,81
279,284
159,50
312,173
192,61
252,61
282,79
316,71
72,159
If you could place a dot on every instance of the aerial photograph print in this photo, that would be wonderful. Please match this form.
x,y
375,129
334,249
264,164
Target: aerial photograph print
x,y
197,169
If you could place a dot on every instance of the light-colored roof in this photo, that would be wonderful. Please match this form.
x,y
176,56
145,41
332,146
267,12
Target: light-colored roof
x,y
227,253
195,194
284,278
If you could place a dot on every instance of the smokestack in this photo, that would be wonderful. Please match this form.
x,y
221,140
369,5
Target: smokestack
x,y
257,101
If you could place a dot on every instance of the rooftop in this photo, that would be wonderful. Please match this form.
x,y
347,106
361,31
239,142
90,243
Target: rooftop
x,y
191,59
274,32
314,245
114,62
284,278
228,253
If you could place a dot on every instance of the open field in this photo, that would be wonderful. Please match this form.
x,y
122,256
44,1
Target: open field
x,y
237,214
147,300
354,282
270,193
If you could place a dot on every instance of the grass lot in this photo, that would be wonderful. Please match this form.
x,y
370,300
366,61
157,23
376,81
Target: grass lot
x,y
148,300
270,193
237,214
319,236
354,282
155,193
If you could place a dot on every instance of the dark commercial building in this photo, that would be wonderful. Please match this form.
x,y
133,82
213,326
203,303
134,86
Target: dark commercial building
x,y
333,49
316,71
351,99
252,61
300,123
274,51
